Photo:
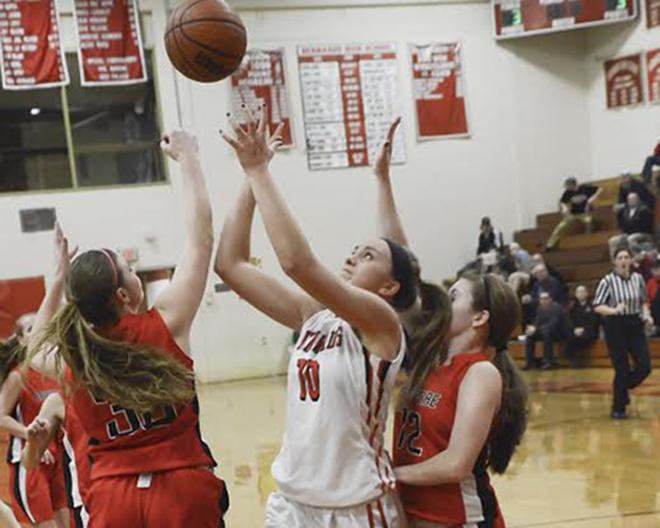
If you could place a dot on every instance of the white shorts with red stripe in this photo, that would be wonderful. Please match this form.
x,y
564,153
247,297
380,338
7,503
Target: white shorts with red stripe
x,y
426,524
380,513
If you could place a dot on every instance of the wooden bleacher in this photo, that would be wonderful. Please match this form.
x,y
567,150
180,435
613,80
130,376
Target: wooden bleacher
x,y
581,259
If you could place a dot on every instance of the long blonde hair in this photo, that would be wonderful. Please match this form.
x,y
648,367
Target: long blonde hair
x,y
134,376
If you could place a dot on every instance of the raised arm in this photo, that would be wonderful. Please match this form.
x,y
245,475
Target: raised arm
x,y
43,430
479,397
592,199
9,394
232,264
389,221
372,316
44,362
179,302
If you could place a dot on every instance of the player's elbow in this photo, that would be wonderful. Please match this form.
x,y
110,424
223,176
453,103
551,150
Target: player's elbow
x,y
460,470
297,266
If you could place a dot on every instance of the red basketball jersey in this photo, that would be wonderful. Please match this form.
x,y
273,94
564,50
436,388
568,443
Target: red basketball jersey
x,y
125,442
75,458
422,432
36,389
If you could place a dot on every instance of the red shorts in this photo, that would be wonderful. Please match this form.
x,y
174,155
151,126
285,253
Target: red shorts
x,y
180,498
37,494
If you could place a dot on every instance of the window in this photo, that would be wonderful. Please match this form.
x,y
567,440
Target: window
x,y
111,136
33,147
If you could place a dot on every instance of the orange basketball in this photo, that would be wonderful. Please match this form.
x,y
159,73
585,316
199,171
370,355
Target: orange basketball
x,y
205,40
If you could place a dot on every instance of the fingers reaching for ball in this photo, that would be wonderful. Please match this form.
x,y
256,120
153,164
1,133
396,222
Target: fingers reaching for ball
x,y
251,142
178,144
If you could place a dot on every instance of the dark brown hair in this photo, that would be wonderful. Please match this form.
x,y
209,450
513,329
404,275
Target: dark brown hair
x,y
495,296
12,354
134,376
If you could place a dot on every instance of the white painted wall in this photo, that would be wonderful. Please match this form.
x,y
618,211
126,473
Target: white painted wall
x,y
619,139
528,113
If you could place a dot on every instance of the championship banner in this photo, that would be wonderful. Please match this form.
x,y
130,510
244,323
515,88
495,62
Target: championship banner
x,y
31,52
652,13
261,79
110,50
653,75
438,90
623,81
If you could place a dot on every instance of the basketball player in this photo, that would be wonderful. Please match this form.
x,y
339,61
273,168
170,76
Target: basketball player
x,y
130,379
38,493
464,402
332,469
54,417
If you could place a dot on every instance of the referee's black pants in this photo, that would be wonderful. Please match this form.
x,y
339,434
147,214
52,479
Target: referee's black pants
x,y
624,335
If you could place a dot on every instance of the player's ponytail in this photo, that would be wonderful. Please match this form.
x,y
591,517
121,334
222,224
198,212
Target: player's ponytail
x,y
495,296
427,327
12,354
134,376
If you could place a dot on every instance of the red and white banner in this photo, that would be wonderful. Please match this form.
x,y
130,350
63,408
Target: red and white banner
x,y
261,79
623,81
652,13
438,89
350,96
653,75
31,53
110,50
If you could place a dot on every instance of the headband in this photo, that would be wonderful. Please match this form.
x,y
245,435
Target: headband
x,y
113,266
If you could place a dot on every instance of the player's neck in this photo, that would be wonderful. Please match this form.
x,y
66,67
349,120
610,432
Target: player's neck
x,y
468,341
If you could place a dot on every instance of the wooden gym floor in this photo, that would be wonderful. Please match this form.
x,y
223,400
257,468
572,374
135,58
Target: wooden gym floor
x,y
576,468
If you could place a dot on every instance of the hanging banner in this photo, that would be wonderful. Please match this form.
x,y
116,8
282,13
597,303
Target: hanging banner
x,y
110,50
350,97
652,13
439,91
623,81
31,53
261,79
653,75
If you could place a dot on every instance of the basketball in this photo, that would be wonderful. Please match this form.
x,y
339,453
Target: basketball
x,y
205,40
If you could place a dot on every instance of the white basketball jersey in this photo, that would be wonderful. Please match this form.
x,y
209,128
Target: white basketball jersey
x,y
338,396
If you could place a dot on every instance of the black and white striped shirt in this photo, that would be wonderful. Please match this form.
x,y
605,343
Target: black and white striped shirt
x,y
613,290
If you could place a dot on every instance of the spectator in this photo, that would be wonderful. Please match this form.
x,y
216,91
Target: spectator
x,y
524,265
490,245
575,205
651,161
636,222
644,262
549,327
629,185
547,283
584,325
538,259
653,290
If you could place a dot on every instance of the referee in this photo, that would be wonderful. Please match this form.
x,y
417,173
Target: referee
x,y
622,301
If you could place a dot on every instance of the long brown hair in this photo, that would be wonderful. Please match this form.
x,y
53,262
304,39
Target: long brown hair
x,y
495,296
427,325
134,376
12,354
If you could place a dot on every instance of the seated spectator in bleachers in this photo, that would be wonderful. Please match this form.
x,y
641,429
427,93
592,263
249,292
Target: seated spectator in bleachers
x,y
653,290
636,221
583,325
651,161
548,327
644,262
527,300
575,204
490,244
632,185
544,282
524,265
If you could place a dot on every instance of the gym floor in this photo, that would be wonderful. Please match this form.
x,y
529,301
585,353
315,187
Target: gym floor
x,y
576,468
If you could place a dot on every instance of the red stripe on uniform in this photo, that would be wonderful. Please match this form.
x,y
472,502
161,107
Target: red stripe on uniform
x,y
370,515
382,513
369,381
382,374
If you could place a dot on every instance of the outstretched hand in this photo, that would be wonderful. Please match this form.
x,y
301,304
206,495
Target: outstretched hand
x,y
178,143
252,145
63,256
384,157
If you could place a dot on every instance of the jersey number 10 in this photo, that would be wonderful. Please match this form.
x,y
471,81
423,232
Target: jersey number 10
x,y
308,375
